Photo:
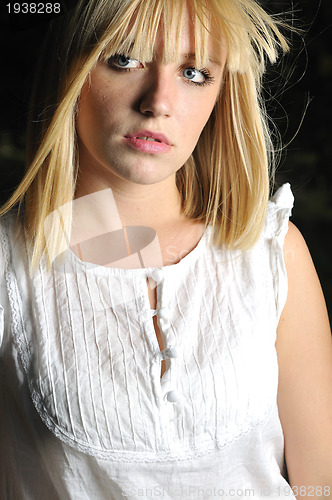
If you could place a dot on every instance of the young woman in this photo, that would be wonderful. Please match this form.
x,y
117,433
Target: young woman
x,y
163,328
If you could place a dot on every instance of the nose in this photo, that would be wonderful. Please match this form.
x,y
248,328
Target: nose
x,y
159,97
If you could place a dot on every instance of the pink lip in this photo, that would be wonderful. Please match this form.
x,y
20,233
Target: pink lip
x,y
150,147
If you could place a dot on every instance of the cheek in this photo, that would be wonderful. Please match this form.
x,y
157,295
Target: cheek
x,y
108,101
91,125
198,118
98,105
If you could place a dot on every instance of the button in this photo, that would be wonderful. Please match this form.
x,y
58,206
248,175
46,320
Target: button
x,y
173,352
173,396
157,275
170,352
163,313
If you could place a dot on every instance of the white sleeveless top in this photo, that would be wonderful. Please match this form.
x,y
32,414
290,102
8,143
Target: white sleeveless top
x,y
85,412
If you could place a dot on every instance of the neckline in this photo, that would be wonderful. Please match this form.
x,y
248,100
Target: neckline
x,y
84,266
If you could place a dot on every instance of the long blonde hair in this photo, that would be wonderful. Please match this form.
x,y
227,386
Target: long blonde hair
x,y
226,181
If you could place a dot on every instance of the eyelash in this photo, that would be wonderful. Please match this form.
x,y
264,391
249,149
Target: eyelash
x,y
205,72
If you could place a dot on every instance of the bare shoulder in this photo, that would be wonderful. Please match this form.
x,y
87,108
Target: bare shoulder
x,y
304,287
304,348
295,248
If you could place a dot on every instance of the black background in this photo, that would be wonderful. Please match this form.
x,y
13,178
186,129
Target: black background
x,y
298,99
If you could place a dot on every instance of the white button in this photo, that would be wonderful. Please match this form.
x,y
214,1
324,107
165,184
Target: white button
x,y
157,275
173,396
163,313
173,352
170,352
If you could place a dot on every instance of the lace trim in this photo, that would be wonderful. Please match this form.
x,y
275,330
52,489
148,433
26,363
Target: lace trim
x,y
140,456
17,326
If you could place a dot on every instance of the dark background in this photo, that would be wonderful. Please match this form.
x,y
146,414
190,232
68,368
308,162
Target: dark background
x,y
298,99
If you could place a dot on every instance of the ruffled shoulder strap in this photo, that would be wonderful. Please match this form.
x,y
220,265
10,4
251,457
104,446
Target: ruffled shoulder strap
x,y
278,212
276,226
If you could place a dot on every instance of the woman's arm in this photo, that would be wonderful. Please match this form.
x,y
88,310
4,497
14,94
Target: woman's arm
x,y
304,347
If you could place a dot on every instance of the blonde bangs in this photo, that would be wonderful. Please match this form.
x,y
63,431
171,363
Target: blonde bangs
x,y
137,36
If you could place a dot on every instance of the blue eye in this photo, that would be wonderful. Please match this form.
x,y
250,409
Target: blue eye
x,y
193,75
198,77
122,62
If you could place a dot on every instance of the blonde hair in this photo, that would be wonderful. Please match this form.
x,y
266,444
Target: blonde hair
x,y
226,181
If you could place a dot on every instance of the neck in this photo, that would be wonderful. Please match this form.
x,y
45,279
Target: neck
x,y
157,205
123,204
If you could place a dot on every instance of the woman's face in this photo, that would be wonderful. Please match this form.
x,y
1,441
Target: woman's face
x,y
141,121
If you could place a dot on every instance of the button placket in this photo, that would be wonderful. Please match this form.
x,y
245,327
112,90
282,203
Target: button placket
x,y
171,350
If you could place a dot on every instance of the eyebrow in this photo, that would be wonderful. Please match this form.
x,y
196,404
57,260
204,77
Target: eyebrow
x,y
192,57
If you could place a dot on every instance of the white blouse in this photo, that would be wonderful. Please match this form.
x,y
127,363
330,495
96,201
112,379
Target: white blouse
x,y
84,411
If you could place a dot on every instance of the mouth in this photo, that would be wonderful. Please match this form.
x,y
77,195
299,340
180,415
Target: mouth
x,y
147,135
148,142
